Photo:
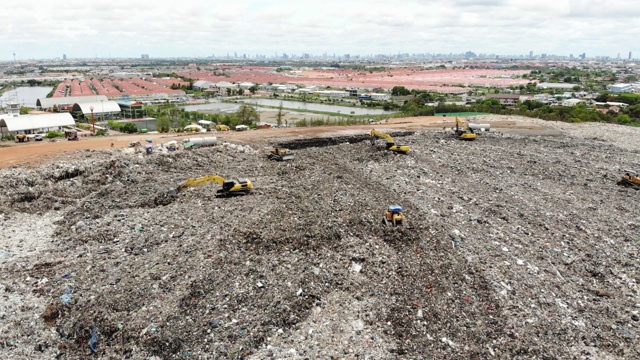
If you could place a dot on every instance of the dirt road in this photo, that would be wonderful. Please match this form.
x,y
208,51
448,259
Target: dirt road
x,y
26,154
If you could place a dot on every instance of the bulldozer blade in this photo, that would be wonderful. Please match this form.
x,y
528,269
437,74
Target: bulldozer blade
x,y
287,157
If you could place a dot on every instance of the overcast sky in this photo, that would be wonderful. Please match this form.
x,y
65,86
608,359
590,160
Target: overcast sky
x,y
40,29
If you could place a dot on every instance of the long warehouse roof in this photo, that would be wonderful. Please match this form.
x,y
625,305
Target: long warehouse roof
x,y
33,122
46,103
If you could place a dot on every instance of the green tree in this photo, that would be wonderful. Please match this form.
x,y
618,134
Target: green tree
x,y
129,128
247,114
163,124
628,98
400,91
253,89
623,119
633,111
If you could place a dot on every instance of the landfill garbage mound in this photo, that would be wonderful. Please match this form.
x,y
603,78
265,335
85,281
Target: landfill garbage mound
x,y
333,140
515,247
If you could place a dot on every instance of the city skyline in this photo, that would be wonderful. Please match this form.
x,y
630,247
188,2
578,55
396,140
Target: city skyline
x,y
163,30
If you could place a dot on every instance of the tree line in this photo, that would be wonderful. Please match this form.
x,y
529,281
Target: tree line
x,y
421,105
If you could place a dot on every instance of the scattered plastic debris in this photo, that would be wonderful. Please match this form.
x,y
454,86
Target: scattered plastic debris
x,y
304,263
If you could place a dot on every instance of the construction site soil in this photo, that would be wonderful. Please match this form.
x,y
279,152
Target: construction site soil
x,y
519,245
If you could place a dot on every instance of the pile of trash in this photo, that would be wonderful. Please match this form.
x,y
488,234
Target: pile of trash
x,y
515,247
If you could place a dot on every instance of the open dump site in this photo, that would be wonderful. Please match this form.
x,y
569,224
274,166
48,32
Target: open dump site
x,y
515,246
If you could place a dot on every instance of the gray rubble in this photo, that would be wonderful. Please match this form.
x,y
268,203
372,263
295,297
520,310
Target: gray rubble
x,y
517,246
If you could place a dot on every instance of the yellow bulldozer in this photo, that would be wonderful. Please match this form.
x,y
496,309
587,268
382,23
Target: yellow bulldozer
x,y
630,179
391,144
394,216
280,154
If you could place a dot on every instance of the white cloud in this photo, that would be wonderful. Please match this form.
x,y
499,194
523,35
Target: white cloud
x,y
161,28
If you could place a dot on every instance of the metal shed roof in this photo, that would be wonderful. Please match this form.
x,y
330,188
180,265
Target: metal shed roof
x,y
34,122
100,107
68,100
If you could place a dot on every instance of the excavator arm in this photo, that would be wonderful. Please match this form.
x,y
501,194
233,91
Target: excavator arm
x,y
391,144
229,187
379,134
200,180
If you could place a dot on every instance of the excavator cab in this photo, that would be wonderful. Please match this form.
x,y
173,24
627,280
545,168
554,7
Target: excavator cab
x,y
394,216
233,187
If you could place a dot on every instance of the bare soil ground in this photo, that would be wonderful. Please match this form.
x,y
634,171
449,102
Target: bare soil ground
x,y
28,154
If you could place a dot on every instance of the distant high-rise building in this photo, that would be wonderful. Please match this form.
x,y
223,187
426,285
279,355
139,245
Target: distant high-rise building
x,y
64,56
144,56
531,53
629,55
583,56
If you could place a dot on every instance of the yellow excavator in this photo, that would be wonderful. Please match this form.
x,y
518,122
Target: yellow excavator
x,y
394,216
391,144
463,132
631,179
230,187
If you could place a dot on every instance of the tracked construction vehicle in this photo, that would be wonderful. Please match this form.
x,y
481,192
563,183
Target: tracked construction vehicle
x,y
630,179
280,155
393,216
463,132
391,144
230,187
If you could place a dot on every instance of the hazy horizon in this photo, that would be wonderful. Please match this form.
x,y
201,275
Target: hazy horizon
x,y
200,29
